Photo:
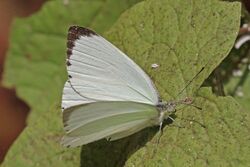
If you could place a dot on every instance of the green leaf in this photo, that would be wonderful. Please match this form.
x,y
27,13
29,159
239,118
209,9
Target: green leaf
x,y
36,68
175,35
216,136
182,37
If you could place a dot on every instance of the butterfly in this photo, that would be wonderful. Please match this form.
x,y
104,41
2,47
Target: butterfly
x,y
107,95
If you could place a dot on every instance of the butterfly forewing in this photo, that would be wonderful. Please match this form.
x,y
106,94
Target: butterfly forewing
x,y
99,71
107,95
71,97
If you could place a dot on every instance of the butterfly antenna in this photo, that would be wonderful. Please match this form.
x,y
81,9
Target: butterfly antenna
x,y
190,81
199,108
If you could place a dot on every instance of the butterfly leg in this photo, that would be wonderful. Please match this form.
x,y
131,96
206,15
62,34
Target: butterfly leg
x,y
161,132
177,125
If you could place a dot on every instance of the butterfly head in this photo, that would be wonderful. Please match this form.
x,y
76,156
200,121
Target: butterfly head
x,y
170,107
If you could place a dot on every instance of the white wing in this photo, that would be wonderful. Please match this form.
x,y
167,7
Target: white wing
x,y
112,120
98,71
71,98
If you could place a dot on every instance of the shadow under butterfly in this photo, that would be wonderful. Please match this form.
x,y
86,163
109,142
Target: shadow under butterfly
x,y
108,96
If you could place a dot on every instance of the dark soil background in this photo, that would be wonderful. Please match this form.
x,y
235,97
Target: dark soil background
x,y
13,111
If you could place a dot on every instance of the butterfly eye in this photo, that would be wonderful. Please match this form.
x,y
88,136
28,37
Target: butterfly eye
x,y
188,100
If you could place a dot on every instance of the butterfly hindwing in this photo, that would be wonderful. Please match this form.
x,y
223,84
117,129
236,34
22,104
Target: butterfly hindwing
x,y
115,119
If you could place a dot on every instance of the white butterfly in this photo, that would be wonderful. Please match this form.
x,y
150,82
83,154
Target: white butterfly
x,y
107,95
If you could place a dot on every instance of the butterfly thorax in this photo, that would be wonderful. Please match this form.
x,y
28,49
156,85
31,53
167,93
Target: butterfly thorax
x,y
170,106
166,106
165,110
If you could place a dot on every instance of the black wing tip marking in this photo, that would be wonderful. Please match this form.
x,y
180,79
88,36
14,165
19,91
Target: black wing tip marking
x,y
74,33
68,63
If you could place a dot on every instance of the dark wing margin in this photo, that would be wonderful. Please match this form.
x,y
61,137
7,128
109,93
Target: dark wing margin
x,y
74,33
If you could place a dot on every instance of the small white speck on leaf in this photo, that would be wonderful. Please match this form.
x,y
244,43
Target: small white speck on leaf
x,y
65,2
154,66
